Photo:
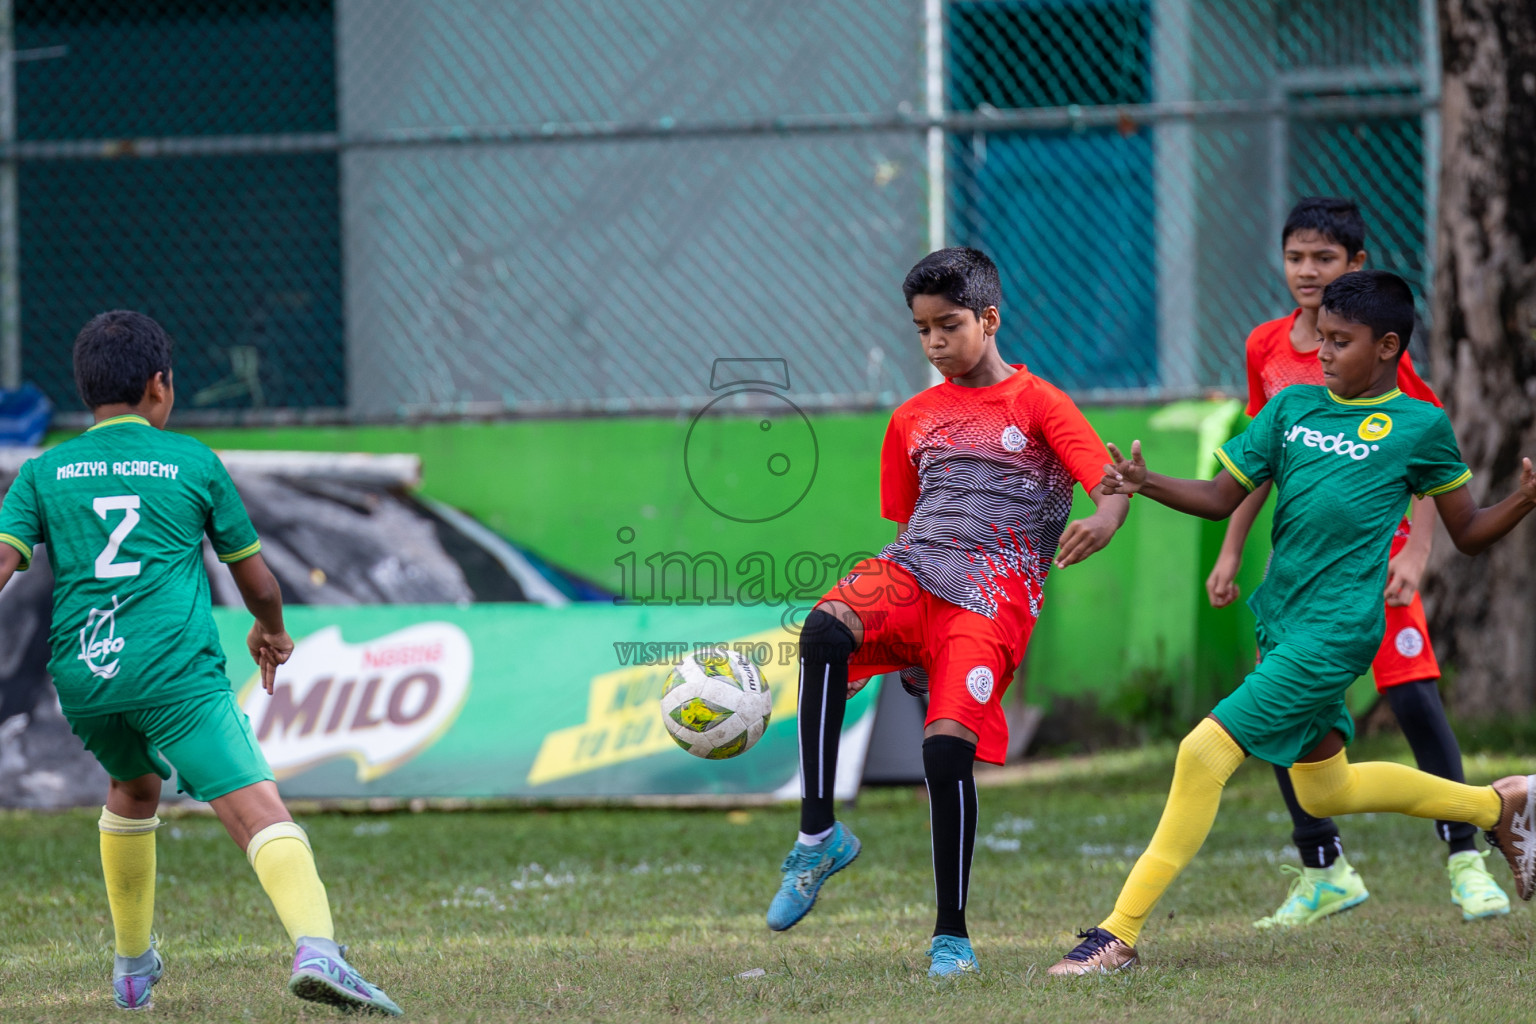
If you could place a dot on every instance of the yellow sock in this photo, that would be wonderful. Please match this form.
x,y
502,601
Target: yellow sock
x,y
128,865
1207,758
286,867
1334,786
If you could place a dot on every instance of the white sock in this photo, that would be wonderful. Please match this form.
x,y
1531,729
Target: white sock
x,y
812,840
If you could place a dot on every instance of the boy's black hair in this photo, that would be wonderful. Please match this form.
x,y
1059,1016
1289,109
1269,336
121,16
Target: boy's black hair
x,y
966,277
117,354
1377,298
1337,220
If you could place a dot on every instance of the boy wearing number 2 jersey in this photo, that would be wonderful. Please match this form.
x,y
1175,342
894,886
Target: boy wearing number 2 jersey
x,y
123,510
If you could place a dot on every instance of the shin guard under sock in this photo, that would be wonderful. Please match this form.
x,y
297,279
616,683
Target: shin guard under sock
x,y
1207,758
1335,786
949,764
128,866
281,857
825,647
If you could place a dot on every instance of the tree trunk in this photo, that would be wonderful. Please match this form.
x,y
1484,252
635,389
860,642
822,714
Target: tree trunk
x,y
1483,341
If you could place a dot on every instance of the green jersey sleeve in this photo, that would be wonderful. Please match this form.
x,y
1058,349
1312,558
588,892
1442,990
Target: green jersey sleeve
x,y
229,526
1251,456
21,524
1435,467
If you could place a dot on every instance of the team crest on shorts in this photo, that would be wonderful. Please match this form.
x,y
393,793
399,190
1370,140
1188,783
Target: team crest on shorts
x,y
1375,427
1013,438
1409,642
979,681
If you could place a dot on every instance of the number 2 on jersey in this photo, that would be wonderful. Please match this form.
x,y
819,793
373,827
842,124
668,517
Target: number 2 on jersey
x,y
128,504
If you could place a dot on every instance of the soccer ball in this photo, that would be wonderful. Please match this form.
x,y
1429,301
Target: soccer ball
x,y
716,704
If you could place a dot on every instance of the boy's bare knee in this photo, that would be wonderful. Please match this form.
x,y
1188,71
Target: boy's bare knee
x,y
250,809
949,727
134,798
843,612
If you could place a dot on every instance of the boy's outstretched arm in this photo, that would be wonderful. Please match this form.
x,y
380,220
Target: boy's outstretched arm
x,y
1473,530
269,642
1208,499
1221,585
1083,537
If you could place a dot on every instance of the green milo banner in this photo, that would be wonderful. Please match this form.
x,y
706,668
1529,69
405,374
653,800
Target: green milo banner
x,y
517,701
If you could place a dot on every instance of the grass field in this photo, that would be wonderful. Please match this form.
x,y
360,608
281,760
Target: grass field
x,y
629,915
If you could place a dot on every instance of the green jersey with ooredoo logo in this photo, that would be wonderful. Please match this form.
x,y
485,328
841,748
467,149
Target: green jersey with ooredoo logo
x,y
1344,470
123,510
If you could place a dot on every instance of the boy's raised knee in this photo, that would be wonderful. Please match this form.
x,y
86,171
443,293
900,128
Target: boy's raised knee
x,y
1208,748
826,636
1322,787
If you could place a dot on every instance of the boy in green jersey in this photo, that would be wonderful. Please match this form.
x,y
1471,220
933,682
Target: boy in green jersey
x,y
1345,458
123,510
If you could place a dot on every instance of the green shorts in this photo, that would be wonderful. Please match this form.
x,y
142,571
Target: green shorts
x,y
207,738
1287,704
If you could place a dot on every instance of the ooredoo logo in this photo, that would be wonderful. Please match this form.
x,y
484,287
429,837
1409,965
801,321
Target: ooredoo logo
x,y
380,703
1331,442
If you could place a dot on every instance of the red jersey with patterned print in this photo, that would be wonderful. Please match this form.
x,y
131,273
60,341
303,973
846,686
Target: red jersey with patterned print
x,y
983,479
1273,364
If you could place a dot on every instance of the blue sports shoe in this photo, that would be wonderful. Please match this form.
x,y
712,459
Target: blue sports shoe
x,y
951,956
133,978
805,869
322,975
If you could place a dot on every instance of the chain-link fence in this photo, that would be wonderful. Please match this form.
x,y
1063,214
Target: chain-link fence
x,y
372,209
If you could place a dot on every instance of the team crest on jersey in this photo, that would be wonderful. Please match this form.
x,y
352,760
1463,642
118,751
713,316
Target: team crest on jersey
x,y
979,682
1375,426
1014,439
1409,642
99,640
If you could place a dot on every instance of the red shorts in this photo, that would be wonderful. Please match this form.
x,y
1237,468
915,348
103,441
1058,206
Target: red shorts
x,y
969,658
1405,655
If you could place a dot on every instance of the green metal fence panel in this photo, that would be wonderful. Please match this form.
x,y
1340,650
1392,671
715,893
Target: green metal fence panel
x,y
237,253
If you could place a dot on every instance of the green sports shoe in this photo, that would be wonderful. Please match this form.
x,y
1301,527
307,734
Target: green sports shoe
x,y
1315,894
1473,888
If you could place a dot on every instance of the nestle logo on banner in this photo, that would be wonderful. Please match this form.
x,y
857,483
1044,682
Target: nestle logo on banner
x,y
380,703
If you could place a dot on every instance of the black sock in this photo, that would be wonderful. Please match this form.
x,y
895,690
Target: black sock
x,y
825,647
1422,717
1317,839
949,763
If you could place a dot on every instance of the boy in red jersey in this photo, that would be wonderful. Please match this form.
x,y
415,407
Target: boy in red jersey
x,y
1323,239
977,473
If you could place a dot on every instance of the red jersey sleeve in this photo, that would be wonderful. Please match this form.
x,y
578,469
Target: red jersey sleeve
x,y
1255,355
899,484
1411,384
1073,439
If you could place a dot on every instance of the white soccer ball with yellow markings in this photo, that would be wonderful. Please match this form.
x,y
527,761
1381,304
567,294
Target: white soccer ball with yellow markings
x,y
716,704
